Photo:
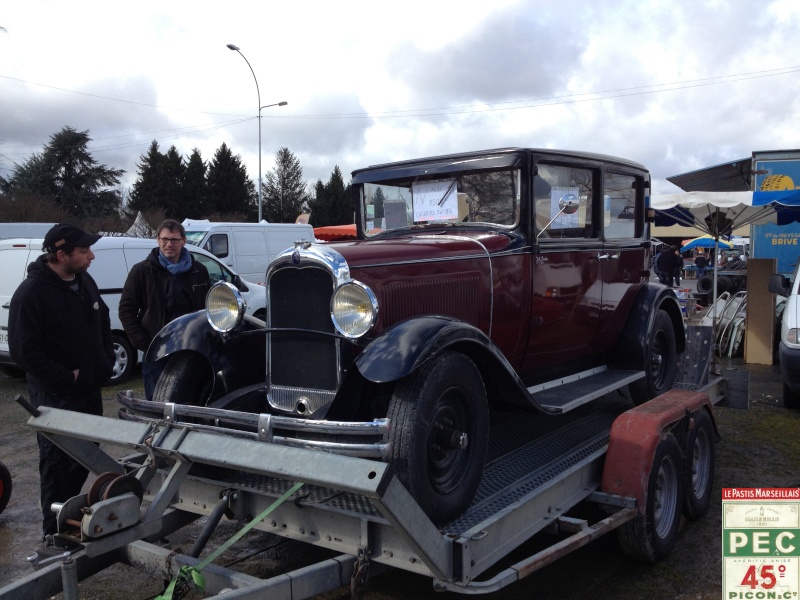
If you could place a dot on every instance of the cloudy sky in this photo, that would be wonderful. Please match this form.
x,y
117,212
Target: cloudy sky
x,y
676,85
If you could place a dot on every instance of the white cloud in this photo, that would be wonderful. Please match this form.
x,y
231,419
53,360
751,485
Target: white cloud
x,y
676,86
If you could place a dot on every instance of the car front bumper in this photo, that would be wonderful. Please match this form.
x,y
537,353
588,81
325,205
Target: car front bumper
x,y
790,366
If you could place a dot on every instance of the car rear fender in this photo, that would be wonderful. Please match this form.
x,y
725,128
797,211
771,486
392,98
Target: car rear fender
x,y
632,345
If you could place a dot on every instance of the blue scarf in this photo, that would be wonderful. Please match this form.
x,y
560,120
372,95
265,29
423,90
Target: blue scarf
x,y
184,262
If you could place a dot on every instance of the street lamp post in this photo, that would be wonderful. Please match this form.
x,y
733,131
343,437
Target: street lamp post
x,y
236,49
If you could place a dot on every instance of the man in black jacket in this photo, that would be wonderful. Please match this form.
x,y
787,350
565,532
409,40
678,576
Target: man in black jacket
x,y
166,285
59,333
668,262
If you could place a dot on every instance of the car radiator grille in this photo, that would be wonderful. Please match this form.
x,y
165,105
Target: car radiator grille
x,y
300,298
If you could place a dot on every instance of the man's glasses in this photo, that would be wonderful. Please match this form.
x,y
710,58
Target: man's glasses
x,y
170,240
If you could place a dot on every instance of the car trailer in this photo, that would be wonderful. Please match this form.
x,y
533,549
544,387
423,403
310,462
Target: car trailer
x,y
631,462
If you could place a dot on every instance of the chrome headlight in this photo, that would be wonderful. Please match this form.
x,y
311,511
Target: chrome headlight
x,y
354,309
224,306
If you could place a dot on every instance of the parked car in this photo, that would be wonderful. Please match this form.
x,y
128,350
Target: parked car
x,y
114,257
5,486
476,282
789,345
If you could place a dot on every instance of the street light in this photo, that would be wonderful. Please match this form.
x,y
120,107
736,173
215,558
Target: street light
x,y
236,49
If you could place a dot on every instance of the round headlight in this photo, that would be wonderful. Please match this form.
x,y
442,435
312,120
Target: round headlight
x,y
353,309
224,306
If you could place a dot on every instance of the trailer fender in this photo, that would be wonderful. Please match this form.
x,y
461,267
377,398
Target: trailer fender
x,y
635,435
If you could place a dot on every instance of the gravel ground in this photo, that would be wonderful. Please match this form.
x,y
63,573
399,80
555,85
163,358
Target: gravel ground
x,y
760,447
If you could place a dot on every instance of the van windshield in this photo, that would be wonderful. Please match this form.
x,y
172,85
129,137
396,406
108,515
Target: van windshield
x,y
194,237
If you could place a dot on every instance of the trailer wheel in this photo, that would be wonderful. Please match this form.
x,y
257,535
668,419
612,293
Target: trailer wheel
x,y
124,360
661,361
186,379
650,536
699,466
439,434
791,399
5,486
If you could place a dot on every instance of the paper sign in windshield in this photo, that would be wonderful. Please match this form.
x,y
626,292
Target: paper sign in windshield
x,y
435,200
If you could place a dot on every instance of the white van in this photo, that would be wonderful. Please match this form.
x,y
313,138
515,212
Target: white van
x,y
24,230
247,248
114,257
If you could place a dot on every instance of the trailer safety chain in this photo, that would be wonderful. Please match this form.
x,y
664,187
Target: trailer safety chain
x,y
360,572
191,576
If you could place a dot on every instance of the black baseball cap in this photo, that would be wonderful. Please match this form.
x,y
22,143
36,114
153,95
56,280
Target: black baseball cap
x,y
64,236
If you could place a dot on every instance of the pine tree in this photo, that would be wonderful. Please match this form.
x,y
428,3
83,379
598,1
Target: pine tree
x,y
230,190
67,174
284,193
173,173
333,202
195,189
146,193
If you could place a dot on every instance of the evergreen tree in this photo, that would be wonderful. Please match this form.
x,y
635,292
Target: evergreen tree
x,y
284,192
195,189
230,190
332,204
173,175
378,198
67,174
146,193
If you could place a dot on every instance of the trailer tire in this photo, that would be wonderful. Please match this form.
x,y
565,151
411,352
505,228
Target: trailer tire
x,y
426,409
650,536
186,379
661,361
699,466
5,486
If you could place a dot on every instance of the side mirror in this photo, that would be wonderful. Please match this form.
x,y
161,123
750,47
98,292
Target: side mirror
x,y
568,204
778,284
237,281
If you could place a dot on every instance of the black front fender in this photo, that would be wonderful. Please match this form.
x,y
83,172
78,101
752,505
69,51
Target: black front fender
x,y
237,358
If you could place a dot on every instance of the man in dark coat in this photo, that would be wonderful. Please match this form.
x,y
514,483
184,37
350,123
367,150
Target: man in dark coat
x,y
60,334
168,284
667,263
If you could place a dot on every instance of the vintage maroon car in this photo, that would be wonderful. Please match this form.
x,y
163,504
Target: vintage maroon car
x,y
476,282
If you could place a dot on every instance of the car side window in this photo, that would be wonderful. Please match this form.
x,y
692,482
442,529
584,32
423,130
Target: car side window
x,y
216,271
217,244
620,208
554,184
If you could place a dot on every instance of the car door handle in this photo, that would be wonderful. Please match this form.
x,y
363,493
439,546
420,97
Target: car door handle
x,y
7,305
607,256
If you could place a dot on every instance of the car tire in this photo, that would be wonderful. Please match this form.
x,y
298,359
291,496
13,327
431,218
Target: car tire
x,y
661,361
650,536
428,410
186,379
124,360
5,486
791,399
699,466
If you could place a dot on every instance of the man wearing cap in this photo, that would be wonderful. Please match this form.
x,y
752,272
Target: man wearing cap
x,y
60,334
166,285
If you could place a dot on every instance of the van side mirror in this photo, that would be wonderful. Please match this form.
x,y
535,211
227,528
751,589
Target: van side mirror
x,y
779,284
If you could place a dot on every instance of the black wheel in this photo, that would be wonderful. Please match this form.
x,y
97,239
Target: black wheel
x,y
439,434
12,371
186,379
661,361
699,466
124,360
791,399
705,285
651,536
5,486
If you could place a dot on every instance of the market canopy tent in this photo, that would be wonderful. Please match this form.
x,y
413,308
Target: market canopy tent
x,y
719,213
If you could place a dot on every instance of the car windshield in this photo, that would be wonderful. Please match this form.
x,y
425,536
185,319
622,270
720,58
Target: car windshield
x,y
194,237
466,198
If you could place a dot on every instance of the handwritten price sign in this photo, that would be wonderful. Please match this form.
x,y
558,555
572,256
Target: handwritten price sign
x,y
435,200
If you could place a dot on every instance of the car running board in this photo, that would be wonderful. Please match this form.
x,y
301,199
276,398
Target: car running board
x,y
565,394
